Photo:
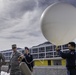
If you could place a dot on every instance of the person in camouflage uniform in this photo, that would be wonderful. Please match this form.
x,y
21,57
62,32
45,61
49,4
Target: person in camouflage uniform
x,y
2,61
14,63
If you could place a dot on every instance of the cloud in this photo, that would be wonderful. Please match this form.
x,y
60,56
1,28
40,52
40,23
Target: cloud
x,y
20,22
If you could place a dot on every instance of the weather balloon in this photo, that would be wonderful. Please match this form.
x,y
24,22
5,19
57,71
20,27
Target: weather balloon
x,y
58,23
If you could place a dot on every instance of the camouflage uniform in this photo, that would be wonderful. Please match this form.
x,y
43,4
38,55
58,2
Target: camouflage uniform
x,y
14,64
2,60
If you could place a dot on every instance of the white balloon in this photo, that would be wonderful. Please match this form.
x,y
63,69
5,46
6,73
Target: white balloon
x,y
58,23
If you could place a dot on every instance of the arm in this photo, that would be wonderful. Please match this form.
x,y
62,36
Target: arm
x,y
3,59
32,63
65,55
9,66
62,54
20,57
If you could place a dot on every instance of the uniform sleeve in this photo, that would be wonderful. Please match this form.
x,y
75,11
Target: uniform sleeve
x,y
9,65
3,59
19,54
65,55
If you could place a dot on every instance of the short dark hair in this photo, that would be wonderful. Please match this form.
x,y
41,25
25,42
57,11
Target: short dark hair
x,y
72,44
27,48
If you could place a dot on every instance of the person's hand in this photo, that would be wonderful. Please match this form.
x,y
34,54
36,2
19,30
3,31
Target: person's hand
x,y
20,58
31,69
8,71
57,48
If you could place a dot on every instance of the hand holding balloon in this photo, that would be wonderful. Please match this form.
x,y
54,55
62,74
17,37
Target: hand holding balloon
x,y
57,48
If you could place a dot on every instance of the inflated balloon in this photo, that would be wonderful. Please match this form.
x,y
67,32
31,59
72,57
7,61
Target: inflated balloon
x,y
58,23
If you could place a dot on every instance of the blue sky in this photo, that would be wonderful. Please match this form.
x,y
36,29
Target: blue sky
x,y
20,22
